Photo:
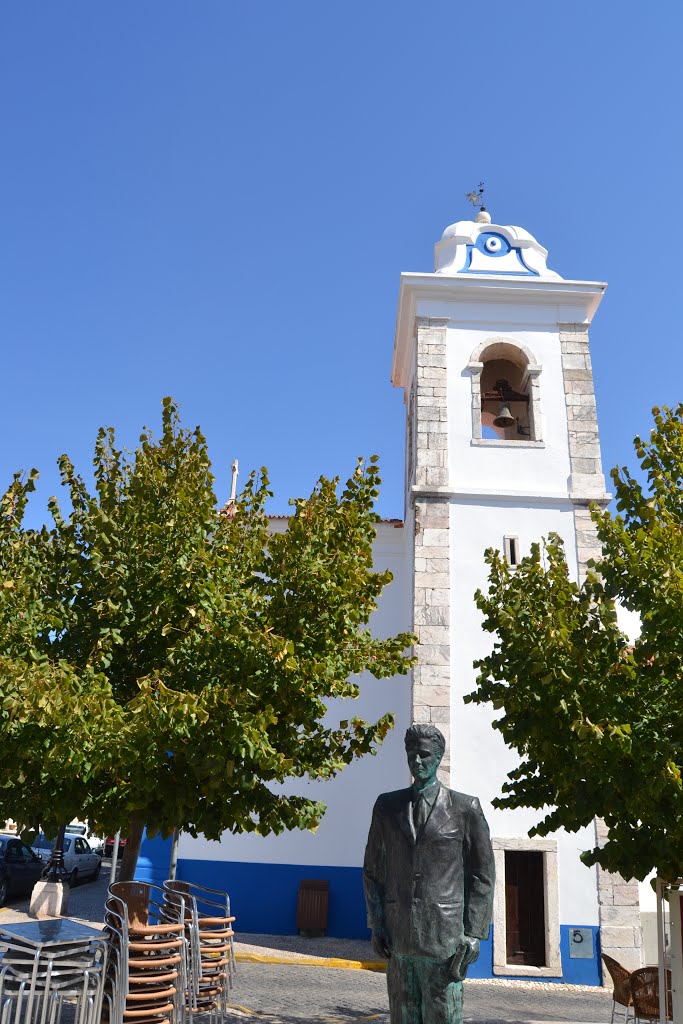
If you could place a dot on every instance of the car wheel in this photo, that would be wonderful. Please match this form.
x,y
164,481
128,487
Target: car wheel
x,y
96,872
73,878
3,891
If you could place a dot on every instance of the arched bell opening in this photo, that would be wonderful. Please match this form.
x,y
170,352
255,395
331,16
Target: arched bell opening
x,y
505,400
505,392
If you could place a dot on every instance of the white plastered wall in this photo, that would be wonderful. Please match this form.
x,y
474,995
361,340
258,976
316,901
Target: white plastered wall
x,y
480,758
487,505
340,840
514,467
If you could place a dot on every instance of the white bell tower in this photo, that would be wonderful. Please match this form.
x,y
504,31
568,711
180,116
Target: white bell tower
x,y
502,448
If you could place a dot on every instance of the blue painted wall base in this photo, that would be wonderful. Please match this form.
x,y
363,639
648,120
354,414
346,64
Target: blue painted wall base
x,y
574,971
264,898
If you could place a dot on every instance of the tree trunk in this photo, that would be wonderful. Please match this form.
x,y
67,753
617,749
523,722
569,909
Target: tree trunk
x,y
172,868
131,850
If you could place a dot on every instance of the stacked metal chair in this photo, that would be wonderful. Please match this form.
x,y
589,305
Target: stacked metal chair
x,y
146,981
35,984
210,946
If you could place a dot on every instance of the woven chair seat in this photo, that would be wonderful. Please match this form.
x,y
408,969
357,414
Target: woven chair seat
x,y
150,994
149,978
153,946
645,992
210,982
153,929
160,1020
154,962
149,1011
212,952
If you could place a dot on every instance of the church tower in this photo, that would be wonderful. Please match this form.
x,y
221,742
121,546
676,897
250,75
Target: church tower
x,y
502,448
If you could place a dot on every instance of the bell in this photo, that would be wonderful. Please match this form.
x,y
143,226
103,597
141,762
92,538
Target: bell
x,y
504,418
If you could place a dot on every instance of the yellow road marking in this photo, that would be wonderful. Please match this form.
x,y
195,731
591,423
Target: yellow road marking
x,y
328,1020
306,961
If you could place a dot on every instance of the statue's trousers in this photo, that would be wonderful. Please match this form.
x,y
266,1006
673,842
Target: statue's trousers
x,y
422,991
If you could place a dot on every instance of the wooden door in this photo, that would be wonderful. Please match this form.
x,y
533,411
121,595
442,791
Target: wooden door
x,y
524,908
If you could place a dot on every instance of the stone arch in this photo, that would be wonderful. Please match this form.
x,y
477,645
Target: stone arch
x,y
493,347
502,360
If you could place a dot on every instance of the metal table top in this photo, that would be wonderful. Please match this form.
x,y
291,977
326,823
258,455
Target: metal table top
x,y
50,932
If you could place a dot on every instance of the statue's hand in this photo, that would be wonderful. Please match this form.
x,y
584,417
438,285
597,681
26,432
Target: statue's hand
x,y
380,944
465,955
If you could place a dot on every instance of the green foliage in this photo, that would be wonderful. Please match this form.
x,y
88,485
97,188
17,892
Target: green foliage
x,y
172,663
598,722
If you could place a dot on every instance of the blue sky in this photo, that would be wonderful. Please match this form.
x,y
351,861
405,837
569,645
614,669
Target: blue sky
x,y
214,200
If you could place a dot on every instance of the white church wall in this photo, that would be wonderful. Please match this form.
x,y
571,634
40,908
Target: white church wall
x,y
462,496
480,758
340,840
514,467
263,874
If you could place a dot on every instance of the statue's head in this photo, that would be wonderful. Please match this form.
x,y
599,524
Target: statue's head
x,y
425,745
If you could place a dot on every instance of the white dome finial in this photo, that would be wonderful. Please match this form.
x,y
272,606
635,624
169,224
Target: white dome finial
x,y
479,247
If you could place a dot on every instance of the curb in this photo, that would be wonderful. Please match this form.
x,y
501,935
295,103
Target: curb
x,y
308,961
319,1020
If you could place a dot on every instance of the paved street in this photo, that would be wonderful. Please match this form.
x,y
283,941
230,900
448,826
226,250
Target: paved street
x,y
291,995
294,994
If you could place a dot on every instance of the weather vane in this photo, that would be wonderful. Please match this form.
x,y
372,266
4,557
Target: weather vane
x,y
477,198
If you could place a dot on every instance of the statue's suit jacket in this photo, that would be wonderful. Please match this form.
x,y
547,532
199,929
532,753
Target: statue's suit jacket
x,y
424,891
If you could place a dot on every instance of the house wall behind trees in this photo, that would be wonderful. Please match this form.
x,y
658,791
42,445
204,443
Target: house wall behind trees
x,y
262,874
480,759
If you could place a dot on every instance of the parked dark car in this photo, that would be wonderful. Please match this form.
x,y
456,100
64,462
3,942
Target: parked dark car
x,y
20,868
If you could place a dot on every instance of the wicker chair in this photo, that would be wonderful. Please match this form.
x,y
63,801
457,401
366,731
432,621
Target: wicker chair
x,y
645,992
621,980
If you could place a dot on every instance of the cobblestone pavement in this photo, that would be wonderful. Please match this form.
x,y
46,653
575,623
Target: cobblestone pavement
x,y
295,994
287,994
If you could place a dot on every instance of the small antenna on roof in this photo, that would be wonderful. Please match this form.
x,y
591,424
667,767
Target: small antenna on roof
x,y
477,198
230,507
233,486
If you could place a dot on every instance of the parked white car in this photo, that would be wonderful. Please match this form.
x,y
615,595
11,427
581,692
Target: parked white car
x,y
80,828
80,861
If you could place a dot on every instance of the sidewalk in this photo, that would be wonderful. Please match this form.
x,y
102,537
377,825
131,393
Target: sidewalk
x,y
292,980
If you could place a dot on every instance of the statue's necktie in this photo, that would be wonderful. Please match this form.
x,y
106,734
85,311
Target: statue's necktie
x,y
420,814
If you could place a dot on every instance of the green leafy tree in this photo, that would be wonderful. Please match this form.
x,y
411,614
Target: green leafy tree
x,y
51,718
598,721
183,656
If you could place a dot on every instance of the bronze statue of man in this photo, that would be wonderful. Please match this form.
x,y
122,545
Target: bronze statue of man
x,y
428,876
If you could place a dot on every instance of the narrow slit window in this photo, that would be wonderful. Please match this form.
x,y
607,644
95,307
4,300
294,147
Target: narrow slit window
x,y
511,549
